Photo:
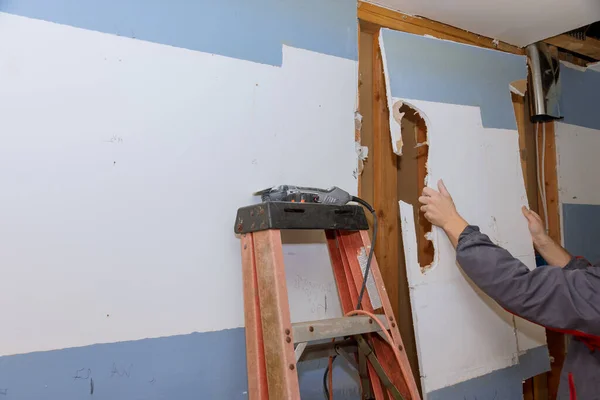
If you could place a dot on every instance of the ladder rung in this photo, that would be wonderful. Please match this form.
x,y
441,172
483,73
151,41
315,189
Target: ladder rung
x,y
336,327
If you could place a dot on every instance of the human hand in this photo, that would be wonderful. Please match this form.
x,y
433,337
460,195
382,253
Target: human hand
x,y
536,226
439,207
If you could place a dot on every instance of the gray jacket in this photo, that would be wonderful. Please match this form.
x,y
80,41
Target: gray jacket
x,y
561,299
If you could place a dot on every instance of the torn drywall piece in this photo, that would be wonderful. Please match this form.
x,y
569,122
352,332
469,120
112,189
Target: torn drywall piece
x,y
519,87
358,121
361,151
473,146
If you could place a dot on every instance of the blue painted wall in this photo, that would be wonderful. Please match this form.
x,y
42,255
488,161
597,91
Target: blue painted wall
x,y
423,68
581,224
579,99
250,30
209,365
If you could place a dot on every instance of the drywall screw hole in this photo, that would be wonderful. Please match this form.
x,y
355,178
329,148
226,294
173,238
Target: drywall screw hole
x,y
292,367
287,331
311,329
288,339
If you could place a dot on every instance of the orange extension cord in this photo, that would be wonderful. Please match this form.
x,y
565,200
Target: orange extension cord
x,y
385,332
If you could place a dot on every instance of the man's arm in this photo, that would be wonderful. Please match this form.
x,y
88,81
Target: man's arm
x,y
552,252
558,298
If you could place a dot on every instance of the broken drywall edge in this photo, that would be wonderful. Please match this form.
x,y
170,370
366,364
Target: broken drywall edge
x,y
494,42
518,87
409,239
575,66
361,151
358,121
395,127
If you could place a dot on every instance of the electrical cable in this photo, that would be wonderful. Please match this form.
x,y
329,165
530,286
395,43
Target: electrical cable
x,y
330,366
540,167
544,175
362,289
371,252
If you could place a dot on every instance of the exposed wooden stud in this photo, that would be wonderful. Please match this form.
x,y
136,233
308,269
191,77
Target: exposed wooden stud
x,y
365,107
556,341
385,192
422,26
535,388
408,191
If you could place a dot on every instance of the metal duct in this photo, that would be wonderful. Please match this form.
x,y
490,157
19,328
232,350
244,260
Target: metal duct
x,y
543,82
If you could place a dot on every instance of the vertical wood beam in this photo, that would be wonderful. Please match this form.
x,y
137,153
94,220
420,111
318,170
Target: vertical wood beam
x,y
385,189
535,388
556,341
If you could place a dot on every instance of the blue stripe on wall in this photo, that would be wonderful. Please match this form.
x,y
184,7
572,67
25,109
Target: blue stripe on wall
x,y
250,30
579,99
209,365
422,68
581,224
506,383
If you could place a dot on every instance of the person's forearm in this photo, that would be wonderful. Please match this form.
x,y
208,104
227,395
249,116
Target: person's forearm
x,y
551,251
454,229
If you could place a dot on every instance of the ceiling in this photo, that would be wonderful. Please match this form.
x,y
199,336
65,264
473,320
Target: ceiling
x,y
518,22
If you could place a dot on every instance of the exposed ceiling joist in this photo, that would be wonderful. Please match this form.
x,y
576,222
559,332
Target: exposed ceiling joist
x,y
588,47
422,26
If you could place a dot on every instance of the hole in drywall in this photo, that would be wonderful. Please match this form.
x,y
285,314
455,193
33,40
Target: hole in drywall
x,y
412,175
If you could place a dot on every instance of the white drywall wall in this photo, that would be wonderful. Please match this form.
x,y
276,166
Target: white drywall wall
x,y
122,166
460,332
513,21
577,164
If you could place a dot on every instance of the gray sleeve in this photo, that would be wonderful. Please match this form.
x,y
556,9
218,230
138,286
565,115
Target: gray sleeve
x,y
565,299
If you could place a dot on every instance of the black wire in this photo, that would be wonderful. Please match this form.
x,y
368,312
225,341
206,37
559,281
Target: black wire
x,y
365,276
325,378
371,252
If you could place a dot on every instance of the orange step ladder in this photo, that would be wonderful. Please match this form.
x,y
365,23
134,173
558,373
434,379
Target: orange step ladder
x,y
274,345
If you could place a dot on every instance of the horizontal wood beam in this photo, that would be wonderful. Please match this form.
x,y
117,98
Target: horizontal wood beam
x,y
589,47
387,18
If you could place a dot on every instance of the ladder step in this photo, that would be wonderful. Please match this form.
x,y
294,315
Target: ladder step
x,y
336,328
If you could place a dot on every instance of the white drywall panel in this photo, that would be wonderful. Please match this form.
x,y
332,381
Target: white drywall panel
x,y
577,158
460,332
122,166
513,21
